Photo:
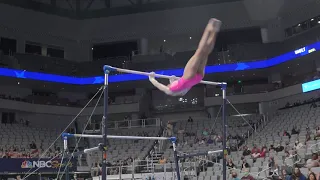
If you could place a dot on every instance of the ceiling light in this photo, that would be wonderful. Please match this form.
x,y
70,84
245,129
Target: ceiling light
x,y
190,37
312,19
299,24
18,82
164,40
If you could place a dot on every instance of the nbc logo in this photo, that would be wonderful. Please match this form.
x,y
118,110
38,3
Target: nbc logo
x,y
26,164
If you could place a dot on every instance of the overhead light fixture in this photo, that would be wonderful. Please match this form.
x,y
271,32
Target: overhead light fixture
x,y
91,48
318,22
164,40
299,24
312,19
190,37
18,82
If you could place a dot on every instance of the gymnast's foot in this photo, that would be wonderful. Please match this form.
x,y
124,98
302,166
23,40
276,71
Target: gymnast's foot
x,y
214,25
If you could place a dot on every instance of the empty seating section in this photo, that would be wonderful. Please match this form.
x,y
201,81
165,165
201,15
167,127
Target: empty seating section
x,y
21,137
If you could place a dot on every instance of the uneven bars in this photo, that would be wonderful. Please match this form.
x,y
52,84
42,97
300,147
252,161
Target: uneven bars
x,y
110,68
118,137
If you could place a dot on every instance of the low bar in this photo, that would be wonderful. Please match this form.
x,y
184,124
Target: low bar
x,y
117,137
213,152
200,154
91,150
110,68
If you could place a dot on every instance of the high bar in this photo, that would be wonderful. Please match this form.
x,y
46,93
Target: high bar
x,y
118,137
110,68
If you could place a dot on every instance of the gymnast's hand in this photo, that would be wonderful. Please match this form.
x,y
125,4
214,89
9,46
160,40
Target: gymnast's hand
x,y
152,76
173,78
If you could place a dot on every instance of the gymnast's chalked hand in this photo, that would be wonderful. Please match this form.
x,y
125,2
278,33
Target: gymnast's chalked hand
x,y
152,75
173,78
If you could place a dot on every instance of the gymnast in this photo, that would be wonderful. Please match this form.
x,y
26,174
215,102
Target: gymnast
x,y
194,70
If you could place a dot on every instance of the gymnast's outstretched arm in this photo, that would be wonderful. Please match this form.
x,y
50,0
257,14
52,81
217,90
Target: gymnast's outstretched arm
x,y
158,85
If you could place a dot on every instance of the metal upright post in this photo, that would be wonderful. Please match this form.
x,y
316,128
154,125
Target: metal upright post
x,y
67,174
176,158
105,128
225,124
65,149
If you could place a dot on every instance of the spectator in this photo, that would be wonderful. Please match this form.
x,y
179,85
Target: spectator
x,y
272,148
190,119
294,131
312,176
162,160
298,145
285,133
210,141
279,148
169,129
255,152
205,132
230,164
246,151
286,175
272,167
246,175
308,137
263,152
245,165
313,162
95,169
33,145
298,175
203,141
234,176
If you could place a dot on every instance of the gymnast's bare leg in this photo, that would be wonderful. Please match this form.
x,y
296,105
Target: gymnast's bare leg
x,y
198,62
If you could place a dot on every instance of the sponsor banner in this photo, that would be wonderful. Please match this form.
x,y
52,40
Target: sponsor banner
x,y
44,165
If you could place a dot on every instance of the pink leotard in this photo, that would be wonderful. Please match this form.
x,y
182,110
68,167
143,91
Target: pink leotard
x,y
183,84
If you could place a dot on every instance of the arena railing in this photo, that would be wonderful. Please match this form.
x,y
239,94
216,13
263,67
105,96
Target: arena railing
x,y
139,170
125,124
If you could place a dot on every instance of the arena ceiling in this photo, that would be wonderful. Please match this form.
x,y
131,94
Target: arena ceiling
x,y
84,9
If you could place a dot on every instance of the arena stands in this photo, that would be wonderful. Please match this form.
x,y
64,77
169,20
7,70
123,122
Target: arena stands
x,y
22,141
289,140
204,135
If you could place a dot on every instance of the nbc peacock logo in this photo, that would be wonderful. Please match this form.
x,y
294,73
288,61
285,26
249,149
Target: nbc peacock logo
x,y
26,165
